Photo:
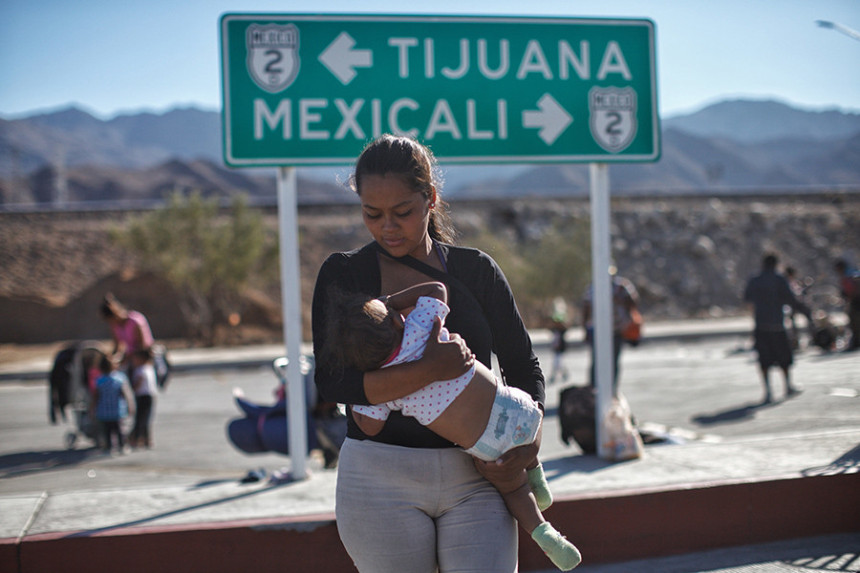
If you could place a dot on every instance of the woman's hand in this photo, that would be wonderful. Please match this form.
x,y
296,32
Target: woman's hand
x,y
508,469
448,359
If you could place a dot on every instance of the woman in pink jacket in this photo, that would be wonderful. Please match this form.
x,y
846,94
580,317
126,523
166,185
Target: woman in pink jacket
x,y
129,329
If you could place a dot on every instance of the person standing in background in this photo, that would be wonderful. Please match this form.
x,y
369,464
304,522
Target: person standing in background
x,y
130,330
768,293
143,383
849,286
797,289
110,404
558,330
625,300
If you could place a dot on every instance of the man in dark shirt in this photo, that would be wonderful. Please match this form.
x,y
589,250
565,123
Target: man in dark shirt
x,y
768,292
849,285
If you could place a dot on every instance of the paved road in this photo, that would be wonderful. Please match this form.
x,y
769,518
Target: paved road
x,y
706,390
703,392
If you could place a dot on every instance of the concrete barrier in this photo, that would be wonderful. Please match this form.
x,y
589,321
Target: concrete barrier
x,y
610,527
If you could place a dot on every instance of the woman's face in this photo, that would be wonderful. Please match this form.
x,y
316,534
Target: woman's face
x,y
396,215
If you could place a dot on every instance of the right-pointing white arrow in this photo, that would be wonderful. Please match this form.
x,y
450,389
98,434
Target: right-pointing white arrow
x,y
551,118
341,60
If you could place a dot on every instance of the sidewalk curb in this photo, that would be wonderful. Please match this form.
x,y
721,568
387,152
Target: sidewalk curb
x,y
652,523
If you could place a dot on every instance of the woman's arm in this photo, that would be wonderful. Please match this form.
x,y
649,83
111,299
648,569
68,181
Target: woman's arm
x,y
117,343
441,360
511,341
138,336
408,297
517,362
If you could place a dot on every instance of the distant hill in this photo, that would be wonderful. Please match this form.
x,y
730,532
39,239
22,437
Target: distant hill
x,y
691,163
102,185
748,121
74,137
70,155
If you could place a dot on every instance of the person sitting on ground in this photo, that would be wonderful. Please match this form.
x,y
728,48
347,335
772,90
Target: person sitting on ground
x,y
475,411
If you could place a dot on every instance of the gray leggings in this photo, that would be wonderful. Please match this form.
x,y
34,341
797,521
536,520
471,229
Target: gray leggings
x,y
420,510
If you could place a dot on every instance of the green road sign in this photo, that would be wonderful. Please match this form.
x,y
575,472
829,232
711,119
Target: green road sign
x,y
314,89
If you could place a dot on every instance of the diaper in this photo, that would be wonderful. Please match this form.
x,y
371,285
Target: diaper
x,y
514,421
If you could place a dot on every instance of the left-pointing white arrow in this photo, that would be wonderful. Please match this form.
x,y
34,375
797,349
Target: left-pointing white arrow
x,y
551,118
341,60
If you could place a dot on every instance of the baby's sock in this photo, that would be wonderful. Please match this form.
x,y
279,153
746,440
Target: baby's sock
x,y
537,481
562,552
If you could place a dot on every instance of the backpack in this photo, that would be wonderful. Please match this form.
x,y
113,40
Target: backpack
x,y
576,417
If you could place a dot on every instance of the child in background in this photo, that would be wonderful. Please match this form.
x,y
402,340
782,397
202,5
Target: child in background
x,y
559,344
110,403
475,411
143,382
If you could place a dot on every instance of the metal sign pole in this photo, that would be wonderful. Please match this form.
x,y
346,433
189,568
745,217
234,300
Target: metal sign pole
x,y
292,314
601,298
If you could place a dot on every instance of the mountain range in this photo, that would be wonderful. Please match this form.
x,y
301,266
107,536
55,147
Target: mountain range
x,y
731,146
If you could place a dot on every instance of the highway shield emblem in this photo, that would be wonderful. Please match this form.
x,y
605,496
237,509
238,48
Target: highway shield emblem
x,y
612,117
273,55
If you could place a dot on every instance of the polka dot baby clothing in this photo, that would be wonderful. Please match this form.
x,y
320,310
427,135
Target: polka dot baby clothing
x,y
426,404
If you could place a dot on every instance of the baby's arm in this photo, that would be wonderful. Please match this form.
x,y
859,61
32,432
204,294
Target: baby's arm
x,y
368,425
409,296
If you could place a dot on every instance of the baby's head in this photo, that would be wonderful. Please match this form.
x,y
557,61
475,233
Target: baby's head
x,y
363,331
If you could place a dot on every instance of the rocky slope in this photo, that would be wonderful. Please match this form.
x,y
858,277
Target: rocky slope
x,y
690,257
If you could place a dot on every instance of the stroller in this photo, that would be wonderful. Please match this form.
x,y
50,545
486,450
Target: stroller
x,y
71,381
264,428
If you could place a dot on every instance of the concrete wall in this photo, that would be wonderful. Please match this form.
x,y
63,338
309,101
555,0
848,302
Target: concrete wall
x,y
612,527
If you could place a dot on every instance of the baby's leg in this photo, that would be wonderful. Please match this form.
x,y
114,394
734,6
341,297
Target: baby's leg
x,y
522,505
539,485
561,552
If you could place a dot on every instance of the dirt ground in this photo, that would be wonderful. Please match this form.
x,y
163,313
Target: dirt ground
x,y
57,265
11,353
54,263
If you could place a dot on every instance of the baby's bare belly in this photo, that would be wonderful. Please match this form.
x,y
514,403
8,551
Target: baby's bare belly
x,y
465,419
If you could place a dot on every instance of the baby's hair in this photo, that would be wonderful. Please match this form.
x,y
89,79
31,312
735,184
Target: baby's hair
x,y
357,334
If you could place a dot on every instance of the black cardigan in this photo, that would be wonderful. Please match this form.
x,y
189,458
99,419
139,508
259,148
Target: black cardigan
x,y
493,325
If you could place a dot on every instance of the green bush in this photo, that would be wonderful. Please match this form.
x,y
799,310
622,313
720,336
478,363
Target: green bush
x,y
208,257
555,265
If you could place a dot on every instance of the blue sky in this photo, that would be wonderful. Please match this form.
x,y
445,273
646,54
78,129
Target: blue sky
x,y
120,57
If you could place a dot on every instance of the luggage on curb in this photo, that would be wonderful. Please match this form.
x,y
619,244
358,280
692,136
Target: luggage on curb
x,y
622,441
576,417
